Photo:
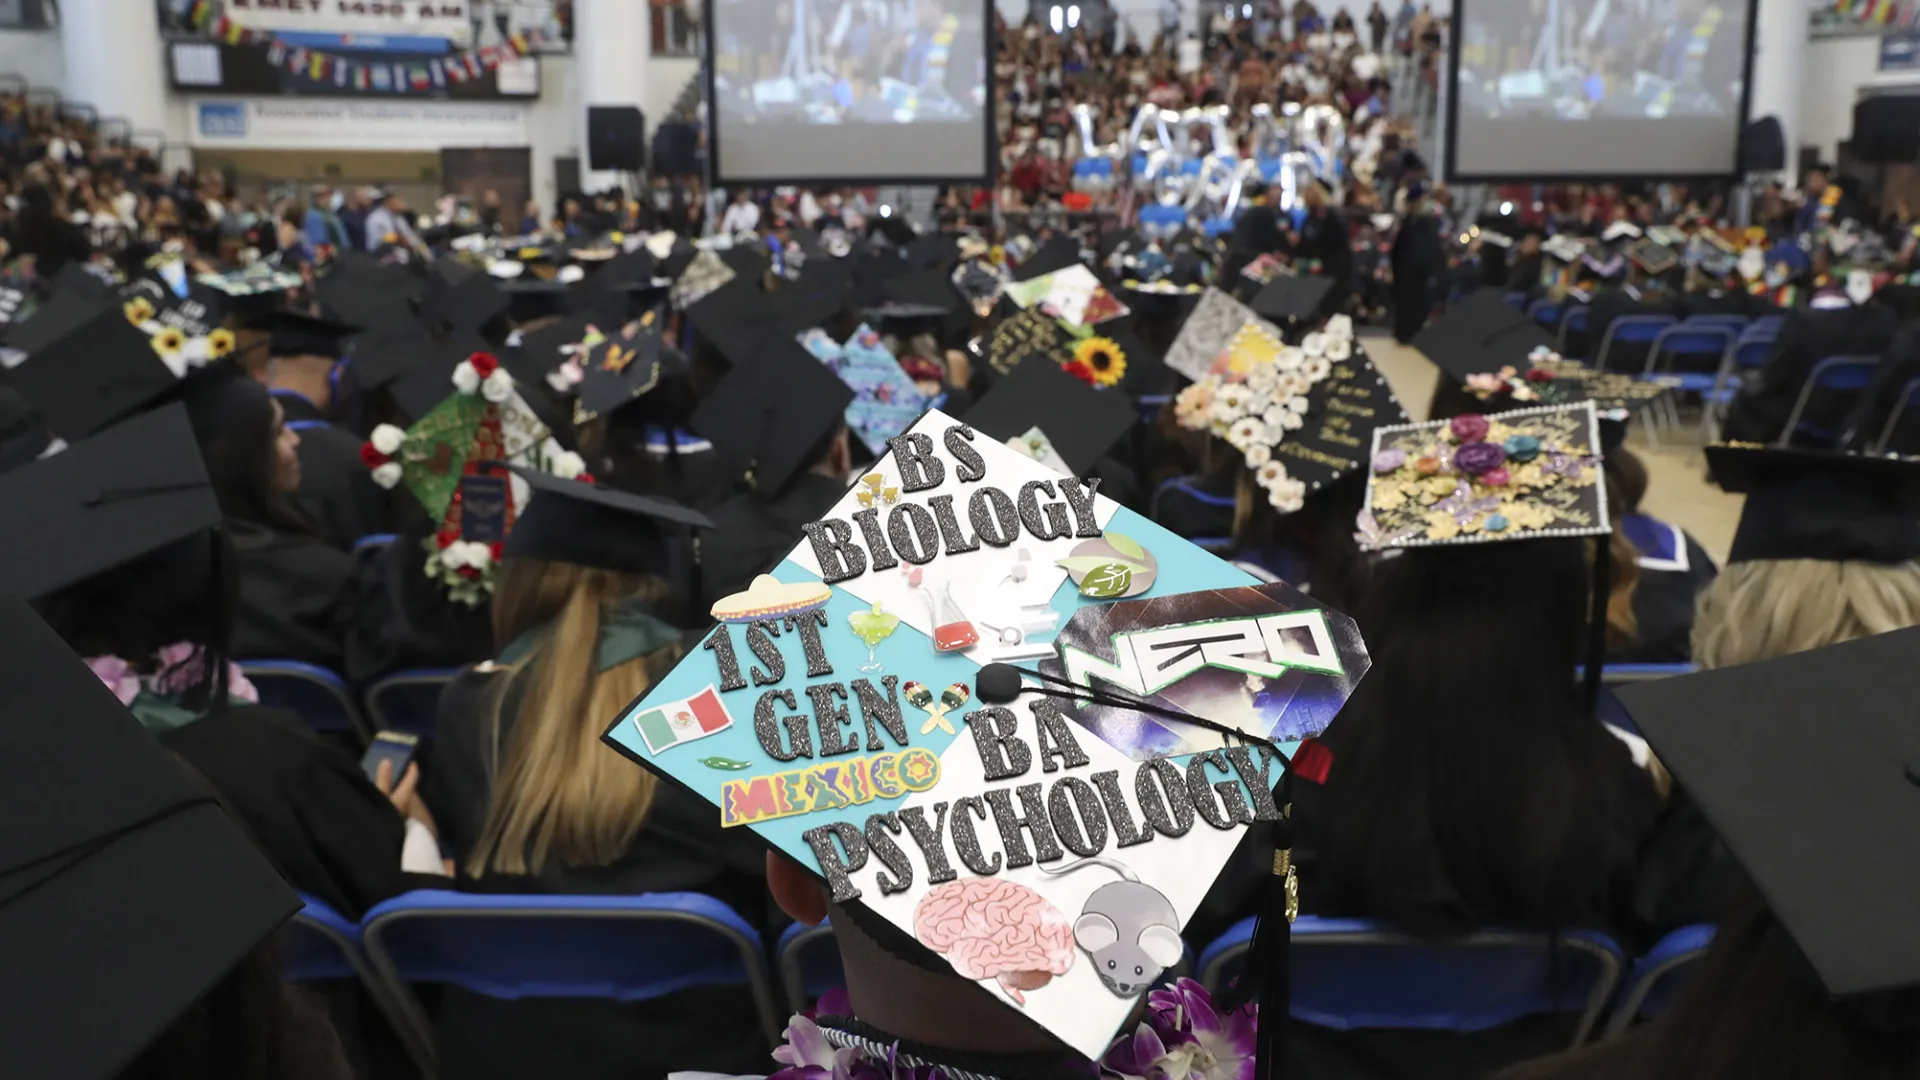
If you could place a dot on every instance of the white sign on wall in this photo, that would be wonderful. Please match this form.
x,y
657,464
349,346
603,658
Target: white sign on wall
x,y
285,123
429,18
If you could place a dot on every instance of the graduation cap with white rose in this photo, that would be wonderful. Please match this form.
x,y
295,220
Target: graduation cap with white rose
x,y
924,702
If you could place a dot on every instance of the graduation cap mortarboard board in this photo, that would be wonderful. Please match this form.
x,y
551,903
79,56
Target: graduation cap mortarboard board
x,y
1805,765
383,356
1818,504
1472,337
589,524
430,379
1082,423
983,601
296,333
539,350
126,891
1652,258
86,365
772,410
461,298
103,501
616,371
376,298
1287,298
1053,256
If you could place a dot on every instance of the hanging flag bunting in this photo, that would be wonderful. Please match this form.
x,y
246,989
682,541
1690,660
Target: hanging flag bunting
x,y
436,74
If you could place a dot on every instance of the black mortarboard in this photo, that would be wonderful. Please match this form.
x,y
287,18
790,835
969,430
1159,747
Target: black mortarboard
x,y
1806,766
772,411
935,250
1081,422
86,365
377,297
102,501
1478,335
82,280
616,371
1286,298
571,521
126,892
539,350
1054,255
384,356
528,301
296,333
1819,504
430,380
460,297
1652,257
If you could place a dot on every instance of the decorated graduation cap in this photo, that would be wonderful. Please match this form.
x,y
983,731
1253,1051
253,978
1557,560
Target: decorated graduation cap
x,y
885,400
451,461
89,362
107,838
1303,416
1016,728
1651,257
1819,504
616,369
773,413
105,500
1057,253
1738,738
1079,422
1217,318
1519,475
1073,293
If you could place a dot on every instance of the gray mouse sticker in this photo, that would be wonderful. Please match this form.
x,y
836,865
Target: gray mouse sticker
x,y
1127,928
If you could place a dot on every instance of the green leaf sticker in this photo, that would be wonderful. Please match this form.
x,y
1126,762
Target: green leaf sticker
x,y
1109,580
724,764
1087,564
1125,545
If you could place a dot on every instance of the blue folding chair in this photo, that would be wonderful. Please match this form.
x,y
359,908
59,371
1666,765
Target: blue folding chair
x,y
408,700
1630,330
1150,405
618,948
1749,353
1768,322
1573,322
1545,312
371,544
1515,300
320,943
1738,322
1907,395
1185,486
1619,674
1658,975
1834,375
1348,974
1693,340
318,695
1218,545
809,964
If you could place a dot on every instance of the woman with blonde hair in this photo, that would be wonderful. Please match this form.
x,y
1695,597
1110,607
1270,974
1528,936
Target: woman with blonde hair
x,y
535,802
1827,550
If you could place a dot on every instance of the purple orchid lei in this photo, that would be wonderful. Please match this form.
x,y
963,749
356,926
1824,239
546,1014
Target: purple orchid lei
x,y
1181,1037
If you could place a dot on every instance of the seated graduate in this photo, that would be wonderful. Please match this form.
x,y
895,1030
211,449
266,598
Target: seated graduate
x,y
1760,409
335,491
140,904
297,593
791,432
1816,977
1473,786
1203,505
142,585
1827,550
1673,567
532,801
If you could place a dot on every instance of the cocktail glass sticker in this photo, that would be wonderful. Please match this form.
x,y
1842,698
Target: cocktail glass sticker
x,y
872,628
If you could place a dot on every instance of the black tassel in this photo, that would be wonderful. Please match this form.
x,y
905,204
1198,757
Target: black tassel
x,y
1266,978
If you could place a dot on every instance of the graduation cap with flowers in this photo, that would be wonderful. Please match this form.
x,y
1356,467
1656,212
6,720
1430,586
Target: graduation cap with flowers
x,y
1016,729
450,460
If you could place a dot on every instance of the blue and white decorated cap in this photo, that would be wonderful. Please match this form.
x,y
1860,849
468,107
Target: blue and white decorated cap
x,y
1051,849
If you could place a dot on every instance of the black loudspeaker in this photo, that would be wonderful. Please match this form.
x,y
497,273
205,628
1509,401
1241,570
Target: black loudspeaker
x,y
1886,128
616,138
1764,148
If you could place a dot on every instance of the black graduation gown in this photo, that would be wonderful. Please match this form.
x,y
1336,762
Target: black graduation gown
x,y
1195,506
336,487
1324,236
680,848
1673,570
409,620
1759,412
297,597
1416,256
752,533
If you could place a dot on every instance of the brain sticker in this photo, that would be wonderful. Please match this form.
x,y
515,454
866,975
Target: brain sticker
x,y
994,929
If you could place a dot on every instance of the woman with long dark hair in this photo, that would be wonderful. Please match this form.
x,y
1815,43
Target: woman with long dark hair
x,y
296,593
41,230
